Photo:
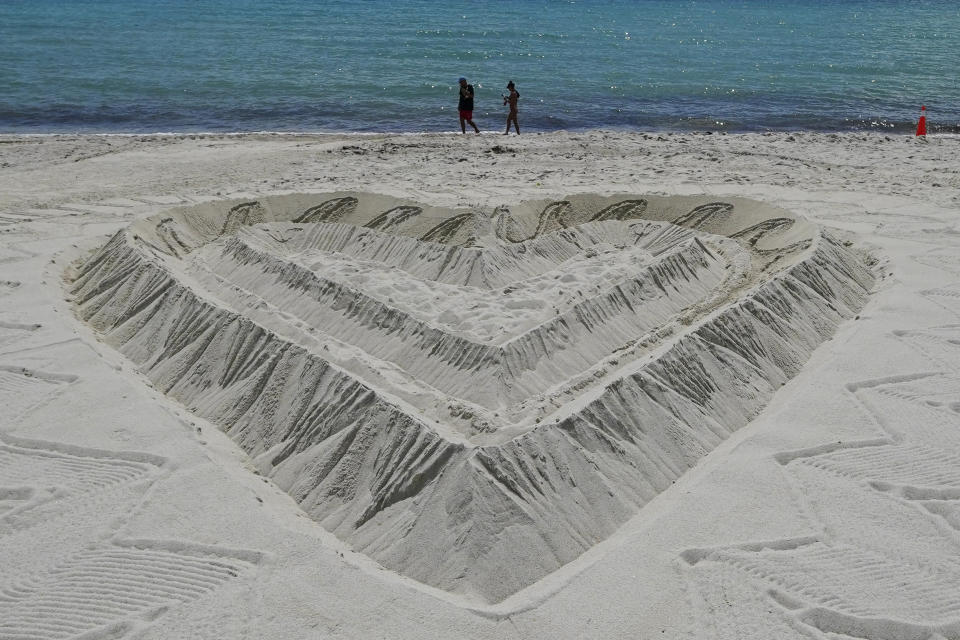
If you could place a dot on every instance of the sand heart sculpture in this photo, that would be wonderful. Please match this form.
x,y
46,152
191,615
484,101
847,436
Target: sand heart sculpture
x,y
472,398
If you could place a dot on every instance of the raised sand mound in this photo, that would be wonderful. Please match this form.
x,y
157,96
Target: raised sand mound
x,y
472,398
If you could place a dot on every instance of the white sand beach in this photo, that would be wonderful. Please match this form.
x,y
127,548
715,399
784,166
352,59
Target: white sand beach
x,y
564,385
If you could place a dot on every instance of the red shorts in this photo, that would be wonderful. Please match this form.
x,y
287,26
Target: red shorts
x,y
466,115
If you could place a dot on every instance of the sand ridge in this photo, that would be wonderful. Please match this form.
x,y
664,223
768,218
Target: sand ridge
x,y
401,433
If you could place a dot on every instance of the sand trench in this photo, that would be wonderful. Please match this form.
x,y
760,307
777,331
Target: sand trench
x,y
472,398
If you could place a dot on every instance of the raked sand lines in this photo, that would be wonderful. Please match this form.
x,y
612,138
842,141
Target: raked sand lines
x,y
12,332
63,579
22,388
69,496
108,590
947,297
69,469
940,344
53,481
941,258
882,557
843,589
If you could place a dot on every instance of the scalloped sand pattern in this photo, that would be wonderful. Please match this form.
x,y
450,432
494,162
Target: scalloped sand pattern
x,y
472,398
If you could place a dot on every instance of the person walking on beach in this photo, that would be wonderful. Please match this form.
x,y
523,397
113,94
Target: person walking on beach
x,y
512,101
465,106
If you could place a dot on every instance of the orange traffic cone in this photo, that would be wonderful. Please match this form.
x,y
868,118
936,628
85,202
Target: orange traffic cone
x,y
922,123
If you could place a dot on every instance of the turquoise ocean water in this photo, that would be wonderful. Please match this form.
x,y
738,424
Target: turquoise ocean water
x,y
363,65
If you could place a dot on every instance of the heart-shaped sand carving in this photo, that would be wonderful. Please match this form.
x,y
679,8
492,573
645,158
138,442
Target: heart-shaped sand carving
x,y
472,398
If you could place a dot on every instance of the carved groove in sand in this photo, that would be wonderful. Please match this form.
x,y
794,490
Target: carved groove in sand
x,y
473,400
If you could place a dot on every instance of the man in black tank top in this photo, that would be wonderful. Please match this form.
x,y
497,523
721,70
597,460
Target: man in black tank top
x,y
511,99
465,106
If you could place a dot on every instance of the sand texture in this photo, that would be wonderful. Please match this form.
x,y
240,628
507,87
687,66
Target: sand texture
x,y
573,385
473,458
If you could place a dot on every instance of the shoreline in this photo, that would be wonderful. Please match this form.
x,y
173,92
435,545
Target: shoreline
x,y
484,134
453,165
933,131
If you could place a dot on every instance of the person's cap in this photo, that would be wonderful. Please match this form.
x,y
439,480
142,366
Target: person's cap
x,y
462,80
